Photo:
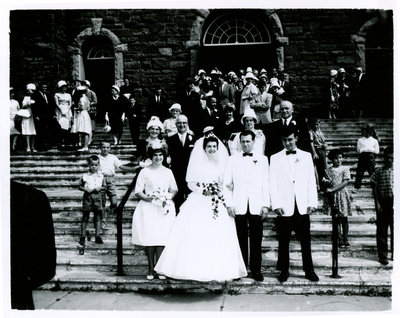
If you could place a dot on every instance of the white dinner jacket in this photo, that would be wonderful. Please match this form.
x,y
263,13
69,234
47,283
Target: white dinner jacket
x,y
287,185
249,177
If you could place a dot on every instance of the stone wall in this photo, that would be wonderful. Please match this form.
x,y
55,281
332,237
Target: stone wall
x,y
318,40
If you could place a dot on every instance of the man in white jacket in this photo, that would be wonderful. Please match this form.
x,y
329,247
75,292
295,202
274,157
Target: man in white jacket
x,y
293,197
246,192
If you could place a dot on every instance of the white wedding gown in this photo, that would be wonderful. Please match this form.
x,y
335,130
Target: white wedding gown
x,y
201,247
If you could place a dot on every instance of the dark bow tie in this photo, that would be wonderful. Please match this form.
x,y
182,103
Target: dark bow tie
x,y
247,154
293,152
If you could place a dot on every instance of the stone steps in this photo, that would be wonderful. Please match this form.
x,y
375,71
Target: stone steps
x,y
57,173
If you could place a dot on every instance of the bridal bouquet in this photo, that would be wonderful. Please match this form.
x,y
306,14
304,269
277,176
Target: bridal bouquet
x,y
162,199
213,190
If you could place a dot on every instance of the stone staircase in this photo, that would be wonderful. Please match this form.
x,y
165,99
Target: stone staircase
x,y
57,173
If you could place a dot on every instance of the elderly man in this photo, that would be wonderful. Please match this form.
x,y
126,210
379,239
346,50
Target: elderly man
x,y
274,130
180,146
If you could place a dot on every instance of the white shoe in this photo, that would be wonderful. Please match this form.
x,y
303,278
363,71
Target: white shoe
x,y
162,277
83,149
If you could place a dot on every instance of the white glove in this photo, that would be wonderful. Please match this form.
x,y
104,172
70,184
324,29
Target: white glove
x,y
123,117
106,117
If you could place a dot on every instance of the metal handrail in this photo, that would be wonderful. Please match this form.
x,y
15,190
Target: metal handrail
x,y
119,210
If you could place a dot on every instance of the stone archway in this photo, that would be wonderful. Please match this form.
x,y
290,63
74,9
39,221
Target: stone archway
x,y
360,38
277,35
76,49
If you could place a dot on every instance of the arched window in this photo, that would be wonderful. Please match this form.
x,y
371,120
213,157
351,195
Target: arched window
x,y
231,30
101,51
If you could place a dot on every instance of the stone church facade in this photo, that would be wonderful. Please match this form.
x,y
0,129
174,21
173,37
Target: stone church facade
x,y
162,47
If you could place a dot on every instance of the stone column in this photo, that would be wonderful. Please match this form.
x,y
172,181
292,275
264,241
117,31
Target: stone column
x,y
359,41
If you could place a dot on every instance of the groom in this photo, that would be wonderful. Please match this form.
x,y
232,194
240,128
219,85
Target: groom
x,y
293,198
246,192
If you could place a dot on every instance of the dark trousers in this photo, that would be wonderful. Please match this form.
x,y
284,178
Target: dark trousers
x,y
250,226
384,220
300,224
366,161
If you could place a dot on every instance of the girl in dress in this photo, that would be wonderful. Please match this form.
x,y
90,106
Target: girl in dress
x,y
83,124
203,244
155,213
63,102
14,108
28,125
340,199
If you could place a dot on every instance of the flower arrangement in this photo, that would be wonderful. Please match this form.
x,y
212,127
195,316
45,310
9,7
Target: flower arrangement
x,y
162,199
213,190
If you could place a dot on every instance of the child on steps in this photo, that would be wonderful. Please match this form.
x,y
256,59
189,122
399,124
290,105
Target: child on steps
x,y
108,164
92,184
340,200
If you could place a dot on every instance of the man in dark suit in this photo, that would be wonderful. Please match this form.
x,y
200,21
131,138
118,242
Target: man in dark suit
x,y
157,105
33,252
273,130
225,92
208,116
41,116
190,102
180,146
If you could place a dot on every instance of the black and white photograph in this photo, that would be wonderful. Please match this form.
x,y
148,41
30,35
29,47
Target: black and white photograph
x,y
201,159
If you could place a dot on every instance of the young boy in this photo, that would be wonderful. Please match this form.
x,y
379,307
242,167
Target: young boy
x,y
92,184
382,187
108,164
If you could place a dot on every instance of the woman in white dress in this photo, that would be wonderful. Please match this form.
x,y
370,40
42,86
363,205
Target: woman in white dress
x,y
63,102
14,108
27,124
82,124
203,244
155,212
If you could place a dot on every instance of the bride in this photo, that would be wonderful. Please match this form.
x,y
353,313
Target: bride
x,y
203,244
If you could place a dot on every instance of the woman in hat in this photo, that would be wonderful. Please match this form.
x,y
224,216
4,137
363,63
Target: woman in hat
x,y
333,95
249,120
155,213
169,124
63,102
249,92
82,124
155,128
116,107
14,108
28,125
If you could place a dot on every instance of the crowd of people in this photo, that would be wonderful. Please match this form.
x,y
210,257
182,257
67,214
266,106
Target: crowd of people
x,y
228,151
347,93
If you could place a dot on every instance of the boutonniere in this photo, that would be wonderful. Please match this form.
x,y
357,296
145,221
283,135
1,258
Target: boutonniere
x,y
255,161
190,137
297,160
293,122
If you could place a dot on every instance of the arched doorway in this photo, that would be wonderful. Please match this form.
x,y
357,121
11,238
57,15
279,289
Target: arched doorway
x,y
235,40
374,53
379,68
97,55
99,66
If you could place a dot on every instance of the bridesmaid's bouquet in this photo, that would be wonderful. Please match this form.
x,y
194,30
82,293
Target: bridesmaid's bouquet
x,y
162,199
214,191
